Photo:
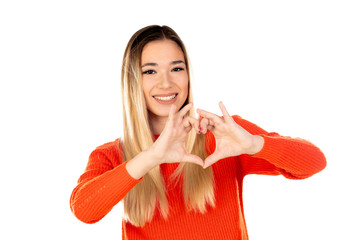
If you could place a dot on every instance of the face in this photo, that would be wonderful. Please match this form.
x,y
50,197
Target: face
x,y
165,78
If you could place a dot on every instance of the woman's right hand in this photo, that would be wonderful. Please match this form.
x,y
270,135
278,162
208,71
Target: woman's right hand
x,y
170,146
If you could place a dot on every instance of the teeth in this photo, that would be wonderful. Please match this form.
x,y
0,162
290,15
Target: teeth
x,y
166,98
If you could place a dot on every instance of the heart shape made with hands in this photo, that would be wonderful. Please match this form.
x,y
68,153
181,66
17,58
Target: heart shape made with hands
x,y
231,139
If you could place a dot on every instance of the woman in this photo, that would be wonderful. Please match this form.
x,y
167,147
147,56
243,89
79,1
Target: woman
x,y
179,177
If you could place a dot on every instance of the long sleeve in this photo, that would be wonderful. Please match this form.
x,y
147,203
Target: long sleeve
x,y
294,158
103,184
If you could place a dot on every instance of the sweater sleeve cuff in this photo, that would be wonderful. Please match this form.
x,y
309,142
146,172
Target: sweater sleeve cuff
x,y
270,148
124,178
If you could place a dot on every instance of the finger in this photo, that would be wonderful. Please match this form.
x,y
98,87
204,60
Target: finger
x,y
204,122
210,160
172,112
188,129
193,159
185,109
211,128
196,125
211,123
211,116
224,111
190,121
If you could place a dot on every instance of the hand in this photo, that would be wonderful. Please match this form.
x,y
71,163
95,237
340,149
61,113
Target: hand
x,y
170,146
231,139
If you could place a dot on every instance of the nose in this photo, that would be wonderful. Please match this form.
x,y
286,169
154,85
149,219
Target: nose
x,y
165,81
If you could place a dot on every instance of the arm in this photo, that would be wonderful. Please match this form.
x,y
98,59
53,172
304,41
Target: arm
x,y
261,152
294,158
102,186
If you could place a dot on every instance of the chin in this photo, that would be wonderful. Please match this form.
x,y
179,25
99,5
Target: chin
x,y
160,113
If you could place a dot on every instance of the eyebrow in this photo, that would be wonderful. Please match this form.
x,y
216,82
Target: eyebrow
x,y
155,64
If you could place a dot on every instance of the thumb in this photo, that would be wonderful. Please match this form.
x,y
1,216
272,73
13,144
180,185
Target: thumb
x,y
193,159
210,160
172,112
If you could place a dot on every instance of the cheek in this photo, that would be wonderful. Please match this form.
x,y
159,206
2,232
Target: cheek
x,y
146,88
184,82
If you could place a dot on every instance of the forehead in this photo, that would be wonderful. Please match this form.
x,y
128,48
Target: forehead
x,y
161,51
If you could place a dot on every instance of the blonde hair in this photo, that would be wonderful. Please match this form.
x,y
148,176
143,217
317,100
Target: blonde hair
x,y
150,193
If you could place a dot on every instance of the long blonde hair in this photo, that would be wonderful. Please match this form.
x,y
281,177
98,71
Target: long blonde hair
x,y
150,193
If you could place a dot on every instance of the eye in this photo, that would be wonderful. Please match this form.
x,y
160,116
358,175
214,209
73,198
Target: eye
x,y
149,72
178,69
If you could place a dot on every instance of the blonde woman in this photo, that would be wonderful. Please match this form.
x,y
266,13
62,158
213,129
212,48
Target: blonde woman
x,y
179,177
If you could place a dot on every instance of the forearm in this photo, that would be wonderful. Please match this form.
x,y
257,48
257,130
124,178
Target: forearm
x,y
93,199
141,164
294,157
106,181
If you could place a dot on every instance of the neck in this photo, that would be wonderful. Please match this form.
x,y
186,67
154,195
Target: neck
x,y
157,123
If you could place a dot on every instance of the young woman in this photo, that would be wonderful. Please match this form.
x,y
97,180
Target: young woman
x,y
179,177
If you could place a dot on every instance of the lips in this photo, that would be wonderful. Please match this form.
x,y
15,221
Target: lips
x,y
166,98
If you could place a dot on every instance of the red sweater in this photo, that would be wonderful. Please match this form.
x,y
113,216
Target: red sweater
x,y
106,181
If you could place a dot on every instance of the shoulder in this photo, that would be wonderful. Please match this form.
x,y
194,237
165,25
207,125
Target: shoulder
x,y
109,145
111,151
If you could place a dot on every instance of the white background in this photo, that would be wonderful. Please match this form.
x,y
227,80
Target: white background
x,y
289,66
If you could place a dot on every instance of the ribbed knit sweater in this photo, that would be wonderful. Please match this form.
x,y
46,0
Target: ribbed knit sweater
x,y
106,181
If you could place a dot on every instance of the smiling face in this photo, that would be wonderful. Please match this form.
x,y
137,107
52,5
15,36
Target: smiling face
x,y
164,76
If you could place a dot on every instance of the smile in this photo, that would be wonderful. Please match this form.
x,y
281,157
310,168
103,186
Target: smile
x,y
168,98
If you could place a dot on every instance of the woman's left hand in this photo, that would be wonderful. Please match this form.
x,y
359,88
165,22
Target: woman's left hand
x,y
231,139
